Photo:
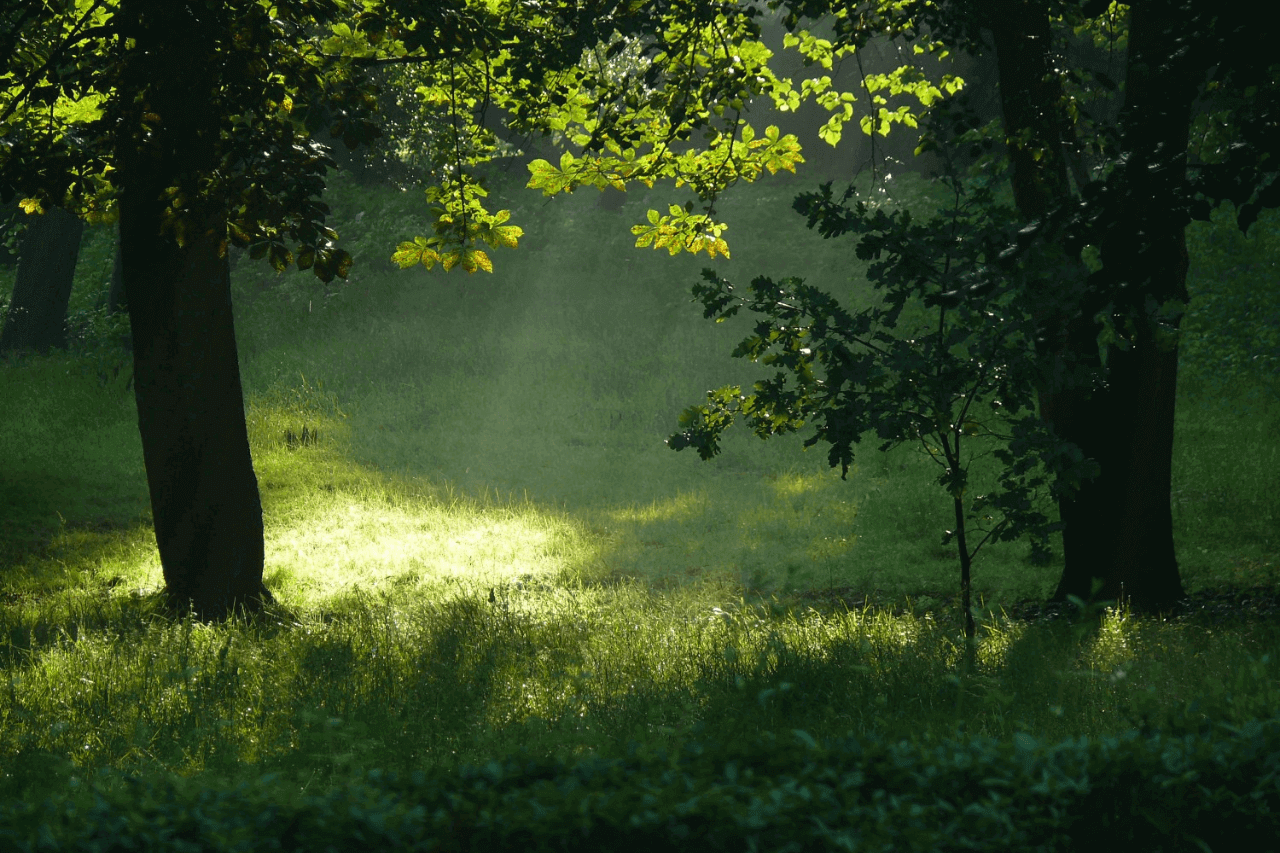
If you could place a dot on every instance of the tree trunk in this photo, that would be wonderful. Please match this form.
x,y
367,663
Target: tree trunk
x,y
1117,529
1128,427
1029,95
37,318
204,494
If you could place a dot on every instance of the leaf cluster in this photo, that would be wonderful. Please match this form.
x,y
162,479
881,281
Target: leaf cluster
x,y
249,161
460,223
631,91
697,81
636,120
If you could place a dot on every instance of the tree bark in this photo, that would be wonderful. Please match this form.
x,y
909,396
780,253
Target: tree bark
x,y
37,318
1128,426
1117,528
1029,95
204,493
176,273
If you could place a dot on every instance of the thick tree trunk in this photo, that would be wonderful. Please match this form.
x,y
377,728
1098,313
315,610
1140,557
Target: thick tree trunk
x,y
204,494
1117,529
1118,532
37,318
1029,95
176,273
1128,427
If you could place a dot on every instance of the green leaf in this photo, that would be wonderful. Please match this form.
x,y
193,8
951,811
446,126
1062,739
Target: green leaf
x,y
239,236
279,257
547,178
500,236
475,259
418,252
342,261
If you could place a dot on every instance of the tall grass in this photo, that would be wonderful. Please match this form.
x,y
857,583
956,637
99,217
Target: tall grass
x,y
487,546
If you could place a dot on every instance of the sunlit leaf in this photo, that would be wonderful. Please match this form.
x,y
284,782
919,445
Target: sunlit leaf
x,y
476,259
411,254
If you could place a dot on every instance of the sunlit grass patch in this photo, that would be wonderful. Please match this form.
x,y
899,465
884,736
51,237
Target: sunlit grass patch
x,y
334,525
277,416
368,537
409,676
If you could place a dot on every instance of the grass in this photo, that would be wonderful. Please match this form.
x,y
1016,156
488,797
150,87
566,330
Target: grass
x,y
488,548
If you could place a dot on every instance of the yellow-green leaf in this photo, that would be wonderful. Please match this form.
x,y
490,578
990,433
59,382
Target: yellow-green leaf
x,y
417,252
473,259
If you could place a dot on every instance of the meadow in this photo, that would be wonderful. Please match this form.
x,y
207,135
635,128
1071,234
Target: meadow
x,y
485,547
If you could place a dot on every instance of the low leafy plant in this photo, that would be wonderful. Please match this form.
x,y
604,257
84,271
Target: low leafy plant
x,y
775,792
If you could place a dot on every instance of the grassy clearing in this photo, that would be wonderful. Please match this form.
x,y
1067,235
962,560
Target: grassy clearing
x,y
488,548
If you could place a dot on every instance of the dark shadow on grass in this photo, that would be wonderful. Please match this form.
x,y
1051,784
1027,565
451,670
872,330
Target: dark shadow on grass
x,y
31,624
52,518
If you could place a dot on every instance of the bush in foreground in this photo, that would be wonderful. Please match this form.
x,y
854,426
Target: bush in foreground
x,y
1147,791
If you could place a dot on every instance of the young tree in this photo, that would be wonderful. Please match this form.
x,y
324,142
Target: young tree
x,y
1105,340
920,367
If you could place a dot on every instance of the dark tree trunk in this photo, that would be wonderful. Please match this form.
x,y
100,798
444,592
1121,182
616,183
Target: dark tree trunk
x,y
1118,532
1117,529
204,494
1029,95
1128,426
37,318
